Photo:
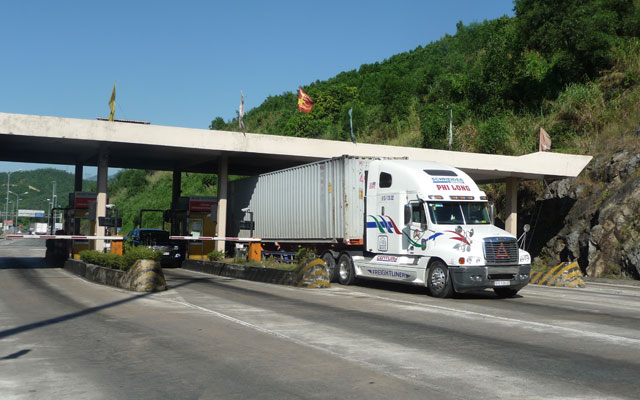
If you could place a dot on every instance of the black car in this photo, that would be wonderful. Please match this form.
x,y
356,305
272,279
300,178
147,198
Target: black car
x,y
157,239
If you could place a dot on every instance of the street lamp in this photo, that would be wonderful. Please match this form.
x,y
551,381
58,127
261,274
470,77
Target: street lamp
x,y
15,223
6,205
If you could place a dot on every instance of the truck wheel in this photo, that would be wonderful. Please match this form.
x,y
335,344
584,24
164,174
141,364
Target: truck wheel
x,y
439,280
330,261
346,274
504,293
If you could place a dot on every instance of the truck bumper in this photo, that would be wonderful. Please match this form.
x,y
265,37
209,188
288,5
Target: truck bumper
x,y
466,279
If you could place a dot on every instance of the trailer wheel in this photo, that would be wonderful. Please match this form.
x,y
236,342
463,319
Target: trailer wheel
x,y
330,261
439,280
346,274
504,293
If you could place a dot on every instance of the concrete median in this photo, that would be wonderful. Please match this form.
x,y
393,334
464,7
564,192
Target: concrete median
x,y
144,276
309,274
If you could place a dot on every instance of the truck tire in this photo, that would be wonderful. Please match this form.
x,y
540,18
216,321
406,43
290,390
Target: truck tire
x,y
439,280
330,261
346,274
504,292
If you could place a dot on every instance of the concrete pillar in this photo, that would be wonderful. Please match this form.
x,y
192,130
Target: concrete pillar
x,y
511,223
223,168
176,190
101,201
77,187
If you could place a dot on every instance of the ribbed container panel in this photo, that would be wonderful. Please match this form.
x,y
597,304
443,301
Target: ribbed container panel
x,y
317,201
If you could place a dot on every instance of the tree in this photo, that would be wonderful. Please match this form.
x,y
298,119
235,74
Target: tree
x,y
575,36
217,124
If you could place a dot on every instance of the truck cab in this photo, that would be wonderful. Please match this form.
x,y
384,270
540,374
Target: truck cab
x,y
428,224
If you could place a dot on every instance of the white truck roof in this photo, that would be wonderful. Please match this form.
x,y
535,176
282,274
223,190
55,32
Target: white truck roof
x,y
431,180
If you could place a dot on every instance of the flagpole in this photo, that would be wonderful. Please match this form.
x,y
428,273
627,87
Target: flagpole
x,y
353,138
450,128
241,113
112,104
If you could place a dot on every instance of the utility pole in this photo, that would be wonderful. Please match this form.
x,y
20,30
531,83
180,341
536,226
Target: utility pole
x,y
53,200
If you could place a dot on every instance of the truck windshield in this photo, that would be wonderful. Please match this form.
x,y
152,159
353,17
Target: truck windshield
x,y
458,213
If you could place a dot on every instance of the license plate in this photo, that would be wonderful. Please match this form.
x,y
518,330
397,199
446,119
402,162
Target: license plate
x,y
501,283
166,253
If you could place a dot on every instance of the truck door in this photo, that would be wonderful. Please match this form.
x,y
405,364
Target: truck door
x,y
415,234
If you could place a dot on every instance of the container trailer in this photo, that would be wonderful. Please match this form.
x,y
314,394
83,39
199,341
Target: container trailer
x,y
406,221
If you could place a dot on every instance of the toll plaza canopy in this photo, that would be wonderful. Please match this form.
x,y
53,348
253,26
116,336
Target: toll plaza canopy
x,y
55,140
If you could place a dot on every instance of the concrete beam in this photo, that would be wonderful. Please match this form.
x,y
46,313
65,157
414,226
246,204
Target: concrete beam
x,y
511,209
221,226
55,139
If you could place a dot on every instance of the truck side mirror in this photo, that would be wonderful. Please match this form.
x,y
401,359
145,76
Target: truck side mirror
x,y
407,214
492,212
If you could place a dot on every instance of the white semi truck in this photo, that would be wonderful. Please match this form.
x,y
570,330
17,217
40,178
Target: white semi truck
x,y
413,222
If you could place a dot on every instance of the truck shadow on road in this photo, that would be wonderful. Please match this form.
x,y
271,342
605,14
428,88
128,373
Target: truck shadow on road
x,y
485,294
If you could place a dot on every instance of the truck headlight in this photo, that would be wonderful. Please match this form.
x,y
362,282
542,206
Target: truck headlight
x,y
525,259
473,260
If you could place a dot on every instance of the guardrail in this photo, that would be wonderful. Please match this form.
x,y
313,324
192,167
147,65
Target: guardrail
x,y
226,239
84,237
66,237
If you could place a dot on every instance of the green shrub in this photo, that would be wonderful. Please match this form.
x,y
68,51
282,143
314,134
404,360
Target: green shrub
x,y
122,262
493,136
215,255
305,253
90,256
138,253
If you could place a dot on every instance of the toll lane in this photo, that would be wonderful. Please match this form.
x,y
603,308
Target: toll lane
x,y
534,345
214,337
63,337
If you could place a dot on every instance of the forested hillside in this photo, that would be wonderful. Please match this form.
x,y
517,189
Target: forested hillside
x,y
35,189
133,190
502,79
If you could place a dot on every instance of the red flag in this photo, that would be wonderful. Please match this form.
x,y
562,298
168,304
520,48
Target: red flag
x,y
545,141
304,101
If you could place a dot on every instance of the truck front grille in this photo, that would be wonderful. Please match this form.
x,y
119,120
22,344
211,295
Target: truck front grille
x,y
501,251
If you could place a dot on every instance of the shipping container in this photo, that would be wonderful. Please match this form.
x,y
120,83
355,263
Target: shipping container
x,y
317,202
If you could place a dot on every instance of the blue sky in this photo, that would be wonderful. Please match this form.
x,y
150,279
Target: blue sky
x,y
184,63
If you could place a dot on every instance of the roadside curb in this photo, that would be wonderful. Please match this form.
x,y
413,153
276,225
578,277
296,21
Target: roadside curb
x,y
310,274
609,281
562,275
144,276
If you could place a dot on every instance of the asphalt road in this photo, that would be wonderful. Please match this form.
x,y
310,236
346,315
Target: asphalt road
x,y
213,337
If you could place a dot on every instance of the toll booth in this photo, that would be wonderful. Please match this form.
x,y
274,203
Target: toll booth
x,y
58,250
82,220
195,216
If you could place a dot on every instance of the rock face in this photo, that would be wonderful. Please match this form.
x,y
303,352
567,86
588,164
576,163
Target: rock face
x,y
601,230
